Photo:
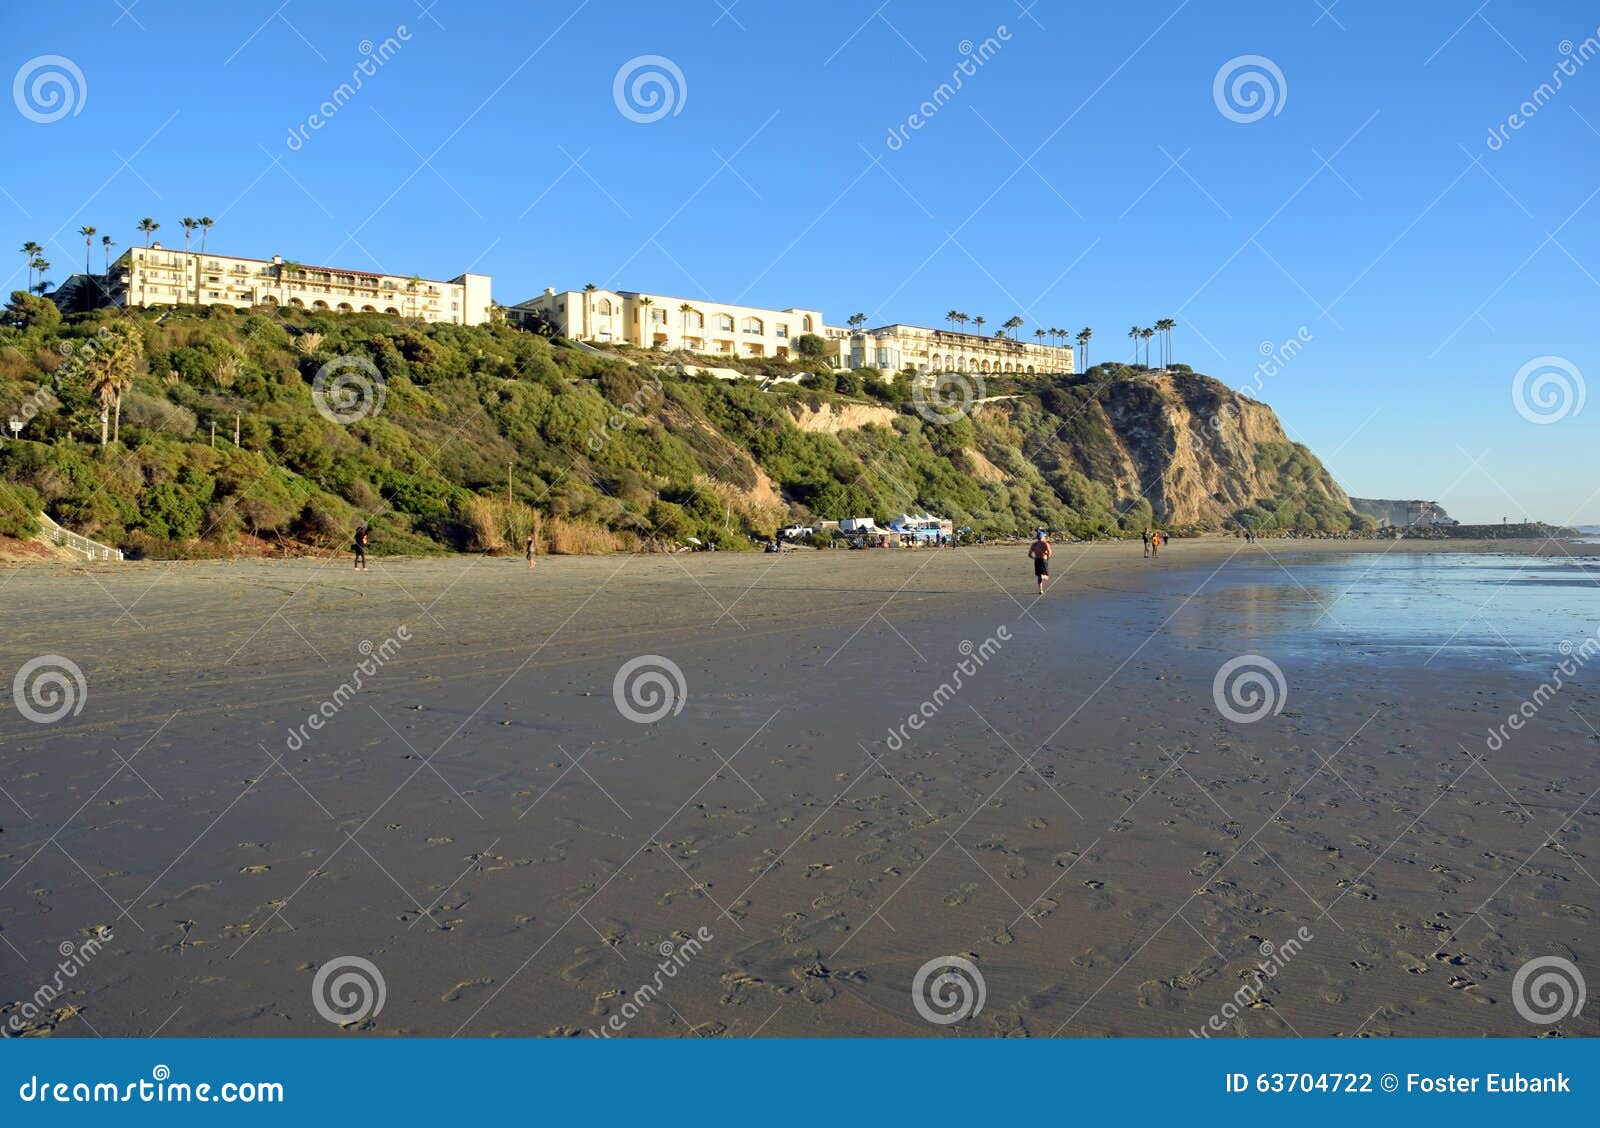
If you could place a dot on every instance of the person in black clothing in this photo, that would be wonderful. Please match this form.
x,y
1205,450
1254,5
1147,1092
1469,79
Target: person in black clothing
x,y
360,547
1039,550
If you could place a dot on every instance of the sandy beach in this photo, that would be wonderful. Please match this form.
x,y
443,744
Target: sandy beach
x,y
475,811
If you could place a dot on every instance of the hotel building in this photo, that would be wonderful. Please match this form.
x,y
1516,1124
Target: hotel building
x,y
150,276
894,348
648,321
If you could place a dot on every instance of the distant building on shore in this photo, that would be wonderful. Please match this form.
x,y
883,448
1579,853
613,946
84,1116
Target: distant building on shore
x,y
895,348
1401,514
155,276
650,321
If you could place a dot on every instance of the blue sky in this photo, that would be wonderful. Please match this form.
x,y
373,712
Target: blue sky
x,y
1083,175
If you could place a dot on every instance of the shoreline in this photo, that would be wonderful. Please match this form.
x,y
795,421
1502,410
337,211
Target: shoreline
x,y
29,553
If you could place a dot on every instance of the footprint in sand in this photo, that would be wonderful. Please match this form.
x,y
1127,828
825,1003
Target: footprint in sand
x,y
1414,964
463,989
960,896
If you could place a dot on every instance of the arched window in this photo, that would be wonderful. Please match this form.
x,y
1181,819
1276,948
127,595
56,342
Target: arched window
x,y
725,322
368,309
319,304
391,311
297,303
753,326
346,307
604,308
806,324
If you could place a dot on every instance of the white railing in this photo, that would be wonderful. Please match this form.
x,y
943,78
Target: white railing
x,y
54,534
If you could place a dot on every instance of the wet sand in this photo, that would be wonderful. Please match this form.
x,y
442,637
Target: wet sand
x,y
481,821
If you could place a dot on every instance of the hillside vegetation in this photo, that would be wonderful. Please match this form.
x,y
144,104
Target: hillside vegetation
x,y
487,434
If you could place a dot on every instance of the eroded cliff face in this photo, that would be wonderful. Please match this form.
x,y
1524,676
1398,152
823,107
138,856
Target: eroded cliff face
x,y
833,418
1194,448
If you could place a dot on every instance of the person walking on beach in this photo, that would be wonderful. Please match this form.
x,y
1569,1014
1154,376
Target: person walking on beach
x,y
1155,543
1146,535
527,551
1039,550
360,547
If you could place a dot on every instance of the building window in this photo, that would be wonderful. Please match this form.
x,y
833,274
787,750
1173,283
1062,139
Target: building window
x,y
783,332
725,323
753,326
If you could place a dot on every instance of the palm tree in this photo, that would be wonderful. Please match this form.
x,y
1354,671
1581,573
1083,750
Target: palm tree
x,y
149,227
952,317
413,285
1014,324
1165,327
644,316
977,324
1038,335
30,251
857,320
588,288
88,238
1084,336
188,226
106,243
685,309
40,264
1145,335
1134,334
110,373
961,320
206,224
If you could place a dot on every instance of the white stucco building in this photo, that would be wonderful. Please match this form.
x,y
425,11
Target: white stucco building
x,y
155,275
650,320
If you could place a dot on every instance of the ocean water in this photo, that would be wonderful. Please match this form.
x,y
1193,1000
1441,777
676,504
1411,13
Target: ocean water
x,y
1405,607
